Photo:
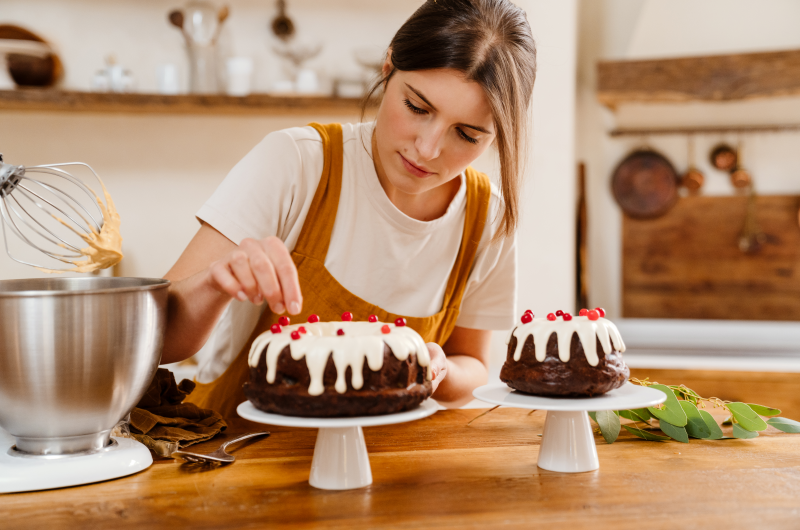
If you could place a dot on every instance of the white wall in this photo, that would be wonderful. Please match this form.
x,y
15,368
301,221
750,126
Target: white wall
x,y
160,169
634,29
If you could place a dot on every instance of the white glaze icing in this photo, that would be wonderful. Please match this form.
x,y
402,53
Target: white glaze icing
x,y
361,341
541,329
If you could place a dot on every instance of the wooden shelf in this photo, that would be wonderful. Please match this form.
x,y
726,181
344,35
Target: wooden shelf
x,y
254,104
711,78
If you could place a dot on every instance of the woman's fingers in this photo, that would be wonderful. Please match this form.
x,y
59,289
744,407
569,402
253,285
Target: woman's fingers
x,y
438,364
286,271
223,280
239,264
260,270
263,272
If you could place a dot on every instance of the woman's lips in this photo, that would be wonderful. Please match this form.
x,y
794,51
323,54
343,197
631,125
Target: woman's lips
x,y
414,170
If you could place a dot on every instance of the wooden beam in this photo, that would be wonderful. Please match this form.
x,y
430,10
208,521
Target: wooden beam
x,y
104,102
710,78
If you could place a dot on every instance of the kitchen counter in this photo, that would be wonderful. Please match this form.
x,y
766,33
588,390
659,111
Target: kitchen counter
x,y
440,472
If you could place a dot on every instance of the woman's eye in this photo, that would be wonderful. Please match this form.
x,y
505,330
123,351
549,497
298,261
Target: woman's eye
x,y
467,137
413,108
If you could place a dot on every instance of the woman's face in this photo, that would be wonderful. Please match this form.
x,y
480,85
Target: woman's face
x,y
431,125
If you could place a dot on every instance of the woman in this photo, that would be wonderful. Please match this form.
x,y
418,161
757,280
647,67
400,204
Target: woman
x,y
380,218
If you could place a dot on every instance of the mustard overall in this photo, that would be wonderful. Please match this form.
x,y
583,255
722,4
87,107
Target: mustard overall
x,y
326,297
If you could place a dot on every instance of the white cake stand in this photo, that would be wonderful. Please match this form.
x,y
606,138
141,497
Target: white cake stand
x,y
340,459
567,442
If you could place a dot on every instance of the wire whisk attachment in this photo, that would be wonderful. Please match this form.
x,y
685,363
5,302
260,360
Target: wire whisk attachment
x,y
52,211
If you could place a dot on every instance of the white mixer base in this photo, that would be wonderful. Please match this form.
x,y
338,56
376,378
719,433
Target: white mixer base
x,y
19,474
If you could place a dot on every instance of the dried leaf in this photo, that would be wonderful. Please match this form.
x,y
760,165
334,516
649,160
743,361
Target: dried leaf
x,y
645,435
609,425
746,417
696,426
673,412
785,424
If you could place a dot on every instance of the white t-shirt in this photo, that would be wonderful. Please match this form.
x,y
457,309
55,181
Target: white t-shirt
x,y
376,252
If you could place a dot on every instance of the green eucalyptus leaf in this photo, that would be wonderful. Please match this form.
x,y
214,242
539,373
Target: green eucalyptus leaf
x,y
630,415
593,415
761,410
711,423
642,413
746,417
741,432
609,425
785,424
677,433
645,435
728,421
673,413
696,427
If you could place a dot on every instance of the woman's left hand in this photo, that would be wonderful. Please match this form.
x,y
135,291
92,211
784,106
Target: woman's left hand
x,y
438,364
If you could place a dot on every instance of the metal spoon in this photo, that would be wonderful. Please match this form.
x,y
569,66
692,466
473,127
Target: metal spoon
x,y
218,456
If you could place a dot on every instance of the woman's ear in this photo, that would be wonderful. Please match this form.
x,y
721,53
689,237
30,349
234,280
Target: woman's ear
x,y
387,67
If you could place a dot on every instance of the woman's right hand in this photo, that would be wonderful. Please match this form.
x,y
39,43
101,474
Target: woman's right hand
x,y
259,270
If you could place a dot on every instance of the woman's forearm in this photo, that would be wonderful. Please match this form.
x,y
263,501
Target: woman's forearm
x,y
464,374
192,311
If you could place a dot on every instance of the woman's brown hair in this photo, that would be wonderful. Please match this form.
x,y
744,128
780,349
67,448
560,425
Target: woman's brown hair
x,y
490,42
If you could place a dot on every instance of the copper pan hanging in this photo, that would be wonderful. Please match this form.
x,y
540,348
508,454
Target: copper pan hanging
x,y
645,184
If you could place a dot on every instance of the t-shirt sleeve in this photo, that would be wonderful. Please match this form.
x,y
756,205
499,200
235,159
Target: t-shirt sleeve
x,y
266,191
490,298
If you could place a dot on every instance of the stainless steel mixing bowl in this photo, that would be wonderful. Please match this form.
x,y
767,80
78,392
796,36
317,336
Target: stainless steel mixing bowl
x,y
76,355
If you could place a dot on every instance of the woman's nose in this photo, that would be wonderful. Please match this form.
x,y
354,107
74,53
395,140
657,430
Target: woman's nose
x,y
429,141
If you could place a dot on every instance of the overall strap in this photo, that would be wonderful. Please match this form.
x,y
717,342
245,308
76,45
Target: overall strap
x,y
315,237
479,191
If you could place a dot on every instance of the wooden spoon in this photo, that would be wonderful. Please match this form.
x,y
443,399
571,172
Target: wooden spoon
x,y
282,25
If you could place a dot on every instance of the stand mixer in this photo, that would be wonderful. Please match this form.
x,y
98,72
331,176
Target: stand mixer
x,y
76,354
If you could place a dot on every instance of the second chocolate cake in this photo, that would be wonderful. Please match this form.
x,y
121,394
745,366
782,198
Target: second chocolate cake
x,y
565,356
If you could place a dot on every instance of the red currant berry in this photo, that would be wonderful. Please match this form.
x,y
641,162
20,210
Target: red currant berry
x,y
600,311
559,313
385,329
295,335
551,317
583,312
373,318
347,316
275,328
593,315
301,329
313,318
400,322
567,317
526,318
284,321
340,332
529,311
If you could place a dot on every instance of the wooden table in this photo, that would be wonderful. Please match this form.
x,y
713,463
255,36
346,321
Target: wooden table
x,y
440,472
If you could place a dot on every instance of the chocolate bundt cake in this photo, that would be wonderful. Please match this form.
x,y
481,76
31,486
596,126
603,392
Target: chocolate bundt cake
x,y
565,356
331,369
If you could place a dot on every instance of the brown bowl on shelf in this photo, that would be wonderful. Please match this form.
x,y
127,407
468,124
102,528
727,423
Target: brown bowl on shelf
x,y
28,70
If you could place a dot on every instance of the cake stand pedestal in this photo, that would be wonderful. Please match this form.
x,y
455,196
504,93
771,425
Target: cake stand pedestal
x,y
340,459
567,442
